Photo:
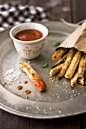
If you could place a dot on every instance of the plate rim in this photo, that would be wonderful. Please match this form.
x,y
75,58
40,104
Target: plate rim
x,y
19,113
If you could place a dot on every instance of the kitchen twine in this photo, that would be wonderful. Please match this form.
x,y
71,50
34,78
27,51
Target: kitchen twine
x,y
13,14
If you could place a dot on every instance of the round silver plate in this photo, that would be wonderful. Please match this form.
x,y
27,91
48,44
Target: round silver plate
x,y
58,100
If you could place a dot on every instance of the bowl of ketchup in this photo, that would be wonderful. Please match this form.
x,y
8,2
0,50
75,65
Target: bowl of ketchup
x,y
29,39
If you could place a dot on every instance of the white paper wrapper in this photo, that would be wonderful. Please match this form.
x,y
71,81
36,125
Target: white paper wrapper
x,y
77,39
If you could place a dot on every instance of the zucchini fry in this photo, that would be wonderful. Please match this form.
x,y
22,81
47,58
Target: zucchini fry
x,y
55,70
81,81
59,53
81,69
67,62
35,78
60,61
74,79
74,63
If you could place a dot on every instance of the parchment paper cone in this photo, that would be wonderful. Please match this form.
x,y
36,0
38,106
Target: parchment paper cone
x,y
77,39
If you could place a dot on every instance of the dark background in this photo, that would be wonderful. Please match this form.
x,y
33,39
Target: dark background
x,y
72,11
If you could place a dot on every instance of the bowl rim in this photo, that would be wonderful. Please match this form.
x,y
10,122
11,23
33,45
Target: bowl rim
x,y
28,42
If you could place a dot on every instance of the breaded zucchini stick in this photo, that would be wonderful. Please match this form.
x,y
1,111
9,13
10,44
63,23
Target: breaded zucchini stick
x,y
74,79
55,70
81,69
60,61
59,53
35,78
67,62
81,81
74,63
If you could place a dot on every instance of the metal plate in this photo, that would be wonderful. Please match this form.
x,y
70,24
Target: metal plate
x,y
58,100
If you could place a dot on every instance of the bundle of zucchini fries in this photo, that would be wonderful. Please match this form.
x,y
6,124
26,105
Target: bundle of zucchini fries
x,y
72,65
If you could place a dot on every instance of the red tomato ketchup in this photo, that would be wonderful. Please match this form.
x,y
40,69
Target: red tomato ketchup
x,y
29,35
40,84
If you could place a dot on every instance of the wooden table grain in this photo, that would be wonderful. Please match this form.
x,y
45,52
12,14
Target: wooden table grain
x,y
72,11
10,121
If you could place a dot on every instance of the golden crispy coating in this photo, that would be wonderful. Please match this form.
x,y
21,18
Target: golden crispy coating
x,y
81,81
60,61
67,62
37,81
59,53
55,70
81,69
74,63
74,79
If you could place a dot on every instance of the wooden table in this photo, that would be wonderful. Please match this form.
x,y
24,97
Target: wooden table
x,y
72,11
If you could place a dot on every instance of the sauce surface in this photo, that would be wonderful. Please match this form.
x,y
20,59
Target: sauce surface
x,y
19,87
29,35
27,92
40,84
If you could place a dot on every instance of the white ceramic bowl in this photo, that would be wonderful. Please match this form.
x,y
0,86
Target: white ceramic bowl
x,y
29,49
